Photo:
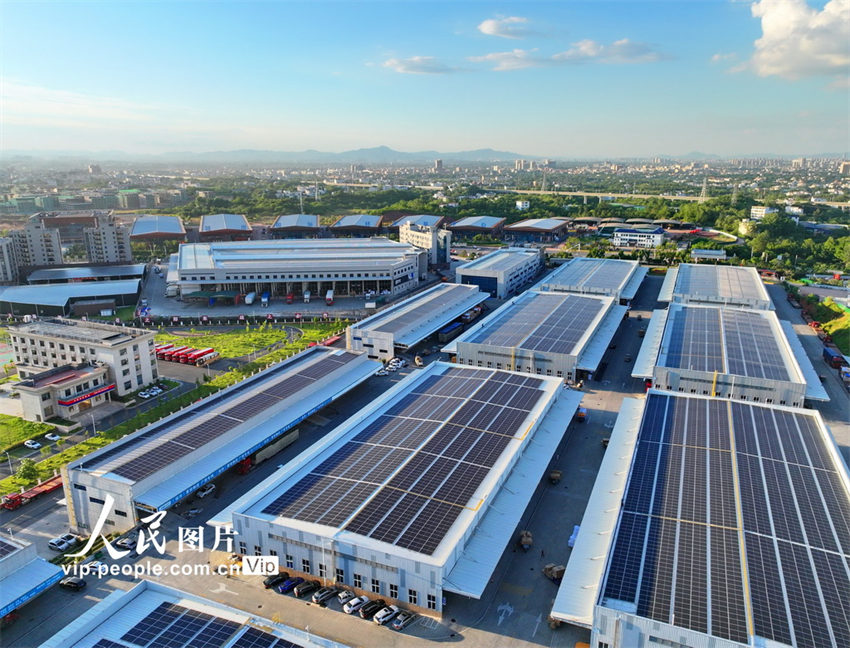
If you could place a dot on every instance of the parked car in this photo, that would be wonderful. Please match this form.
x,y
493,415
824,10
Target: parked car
x,y
32,445
325,594
385,615
144,395
289,584
368,610
97,567
206,490
275,579
344,596
355,604
402,620
52,436
126,543
72,583
64,542
305,588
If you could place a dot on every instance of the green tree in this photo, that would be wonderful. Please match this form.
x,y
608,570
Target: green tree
x,y
27,470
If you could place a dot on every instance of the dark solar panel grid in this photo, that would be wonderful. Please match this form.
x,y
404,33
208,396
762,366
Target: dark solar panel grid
x,y
215,634
7,548
153,624
253,638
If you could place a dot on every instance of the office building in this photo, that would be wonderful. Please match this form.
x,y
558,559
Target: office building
x,y
436,241
502,273
64,391
637,238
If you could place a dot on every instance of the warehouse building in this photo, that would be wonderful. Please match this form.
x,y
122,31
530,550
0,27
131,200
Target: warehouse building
x,y
541,230
420,220
295,226
549,334
471,225
348,266
155,615
502,273
715,284
419,494
23,575
736,353
407,323
224,227
161,464
436,241
713,523
76,273
78,298
587,276
357,225
153,228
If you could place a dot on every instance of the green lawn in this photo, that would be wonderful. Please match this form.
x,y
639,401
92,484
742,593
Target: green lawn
x,y
14,430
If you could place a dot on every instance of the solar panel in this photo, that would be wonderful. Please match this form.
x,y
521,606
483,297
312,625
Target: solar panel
x,y
6,548
440,301
108,643
726,283
215,634
146,630
253,638
677,550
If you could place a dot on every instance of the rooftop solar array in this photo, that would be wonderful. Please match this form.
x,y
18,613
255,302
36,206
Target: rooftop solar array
x,y
723,282
592,275
685,553
409,473
435,303
550,322
725,340
191,430
7,548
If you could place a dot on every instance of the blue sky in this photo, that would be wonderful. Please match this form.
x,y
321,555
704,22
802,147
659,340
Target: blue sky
x,y
560,79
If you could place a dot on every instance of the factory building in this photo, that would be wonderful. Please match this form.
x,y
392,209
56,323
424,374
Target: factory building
x,y
715,284
357,225
436,241
77,298
587,276
502,273
346,266
23,575
541,230
419,494
713,523
161,464
127,352
421,220
224,227
288,226
157,615
549,334
153,228
405,324
742,354
471,225
77,273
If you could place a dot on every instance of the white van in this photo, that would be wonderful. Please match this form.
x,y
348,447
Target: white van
x,y
249,298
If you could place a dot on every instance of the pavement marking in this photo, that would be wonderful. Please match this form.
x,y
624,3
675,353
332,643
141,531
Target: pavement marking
x,y
537,623
221,589
504,610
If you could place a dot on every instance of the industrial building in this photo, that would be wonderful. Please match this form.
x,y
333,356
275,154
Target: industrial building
x,y
64,391
502,273
437,241
155,615
636,237
544,230
347,266
472,225
54,342
153,228
588,276
76,273
421,220
549,334
163,463
23,575
419,494
405,324
742,354
715,284
357,225
79,298
224,227
295,226
713,523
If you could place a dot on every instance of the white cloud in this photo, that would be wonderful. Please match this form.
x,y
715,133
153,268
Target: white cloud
x,y
514,60
721,56
418,65
799,41
621,51
509,27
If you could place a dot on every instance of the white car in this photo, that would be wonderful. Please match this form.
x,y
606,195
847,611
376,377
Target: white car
x,y
144,394
391,368
63,542
97,567
206,490
355,604
52,437
386,614
32,445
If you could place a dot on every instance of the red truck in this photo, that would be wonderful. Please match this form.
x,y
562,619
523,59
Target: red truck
x,y
15,500
290,297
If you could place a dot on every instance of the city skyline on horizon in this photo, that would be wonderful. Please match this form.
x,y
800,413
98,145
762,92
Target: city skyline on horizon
x,y
571,80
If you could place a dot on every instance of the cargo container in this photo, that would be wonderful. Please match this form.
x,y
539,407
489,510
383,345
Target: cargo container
x,y
448,332
14,500
833,358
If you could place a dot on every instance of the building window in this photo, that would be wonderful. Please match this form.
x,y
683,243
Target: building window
x,y
393,590
432,602
120,513
340,575
376,586
358,580
96,500
258,550
79,487
243,548
323,571
305,565
45,397
412,597
272,552
290,562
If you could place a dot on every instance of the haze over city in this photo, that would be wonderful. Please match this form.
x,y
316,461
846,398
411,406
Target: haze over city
x,y
564,80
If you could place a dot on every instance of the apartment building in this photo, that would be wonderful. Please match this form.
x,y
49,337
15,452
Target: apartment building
x,y
436,241
37,244
107,241
8,261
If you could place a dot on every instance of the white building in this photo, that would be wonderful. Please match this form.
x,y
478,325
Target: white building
x,y
156,615
23,575
160,465
523,205
419,494
503,272
54,342
736,353
705,254
633,237
437,241
406,323
8,261
757,212
36,244
616,278
543,333
715,284
64,391
108,241
348,266
713,523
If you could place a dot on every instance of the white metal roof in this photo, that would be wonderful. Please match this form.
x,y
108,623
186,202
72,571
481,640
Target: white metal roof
x,y
478,222
29,580
669,285
306,221
644,366
424,220
601,336
630,289
814,387
578,592
502,260
720,283
358,220
121,610
148,224
59,294
220,222
541,224
590,275
87,272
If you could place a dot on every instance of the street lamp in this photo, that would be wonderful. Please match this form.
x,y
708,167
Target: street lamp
x,y
93,428
11,472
